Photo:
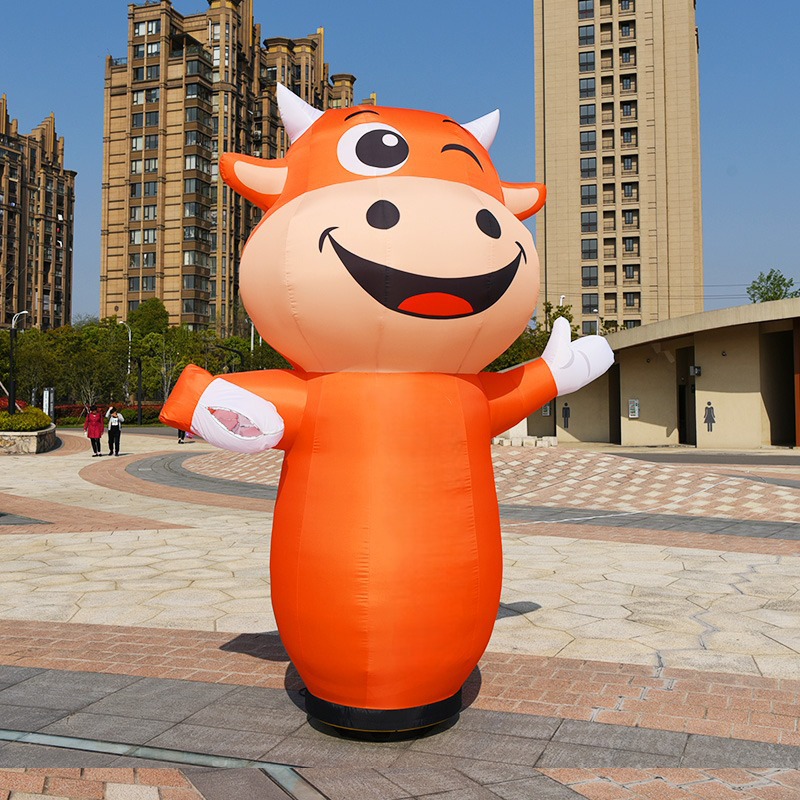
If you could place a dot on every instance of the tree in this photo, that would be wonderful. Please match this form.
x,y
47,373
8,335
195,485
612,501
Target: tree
x,y
150,317
531,342
773,285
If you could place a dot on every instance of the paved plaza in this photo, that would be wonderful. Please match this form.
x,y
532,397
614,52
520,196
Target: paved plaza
x,y
647,643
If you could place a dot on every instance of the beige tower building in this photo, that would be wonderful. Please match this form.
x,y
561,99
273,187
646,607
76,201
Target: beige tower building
x,y
37,198
618,145
190,88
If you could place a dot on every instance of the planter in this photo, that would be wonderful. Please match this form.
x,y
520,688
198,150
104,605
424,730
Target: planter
x,y
28,441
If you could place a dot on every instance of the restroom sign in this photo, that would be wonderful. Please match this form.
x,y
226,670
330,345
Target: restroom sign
x,y
633,409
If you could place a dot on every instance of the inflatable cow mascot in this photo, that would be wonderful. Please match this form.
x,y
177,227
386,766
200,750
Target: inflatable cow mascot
x,y
389,268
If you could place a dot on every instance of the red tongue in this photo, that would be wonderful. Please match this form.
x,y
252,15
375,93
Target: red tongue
x,y
436,304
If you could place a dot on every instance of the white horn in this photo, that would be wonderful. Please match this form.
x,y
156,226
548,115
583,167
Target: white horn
x,y
297,115
484,129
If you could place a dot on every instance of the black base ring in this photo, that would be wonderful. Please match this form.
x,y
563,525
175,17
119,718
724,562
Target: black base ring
x,y
379,720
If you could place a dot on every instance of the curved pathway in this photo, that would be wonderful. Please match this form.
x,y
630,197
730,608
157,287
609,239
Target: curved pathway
x,y
641,602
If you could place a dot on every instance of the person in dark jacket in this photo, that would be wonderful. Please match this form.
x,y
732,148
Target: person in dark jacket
x,y
115,420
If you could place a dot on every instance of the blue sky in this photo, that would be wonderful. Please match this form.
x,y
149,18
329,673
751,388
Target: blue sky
x,y
460,58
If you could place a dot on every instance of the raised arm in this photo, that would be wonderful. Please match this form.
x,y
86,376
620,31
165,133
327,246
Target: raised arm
x,y
565,367
246,412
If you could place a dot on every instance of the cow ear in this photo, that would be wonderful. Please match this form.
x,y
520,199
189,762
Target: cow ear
x,y
524,199
257,179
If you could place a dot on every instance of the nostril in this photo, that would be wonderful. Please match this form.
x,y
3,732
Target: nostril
x,y
383,214
488,223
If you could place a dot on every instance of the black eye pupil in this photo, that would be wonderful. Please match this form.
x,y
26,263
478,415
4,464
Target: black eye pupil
x,y
488,223
382,149
383,214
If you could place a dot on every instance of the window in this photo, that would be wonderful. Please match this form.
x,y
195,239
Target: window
x,y
628,218
632,323
588,141
626,55
137,97
135,237
133,305
136,166
588,168
585,9
624,5
148,259
136,120
196,282
200,67
138,51
151,118
589,195
589,249
199,91
627,136
136,143
196,186
195,210
195,257
197,162
632,299
588,221
626,82
193,232
153,49
138,28
152,95
587,88
149,236
194,306
136,190
588,276
136,213
586,62
585,35
151,165
135,260
198,138
153,27
627,109
133,284
195,114
631,272
589,303
588,114
628,189
151,141
152,72
148,283
150,212
589,327
215,32
630,244
625,29
150,188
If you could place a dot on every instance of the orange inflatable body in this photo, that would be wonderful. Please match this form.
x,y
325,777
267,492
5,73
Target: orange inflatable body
x,y
386,556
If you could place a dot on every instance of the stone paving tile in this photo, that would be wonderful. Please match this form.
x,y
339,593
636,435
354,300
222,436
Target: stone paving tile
x,y
107,728
346,784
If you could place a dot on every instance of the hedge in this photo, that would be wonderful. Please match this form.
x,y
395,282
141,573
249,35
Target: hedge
x,y
31,419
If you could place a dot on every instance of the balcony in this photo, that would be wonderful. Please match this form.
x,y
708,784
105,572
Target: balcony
x,y
118,62
610,252
606,64
610,308
630,62
634,198
630,226
608,116
629,145
606,37
608,172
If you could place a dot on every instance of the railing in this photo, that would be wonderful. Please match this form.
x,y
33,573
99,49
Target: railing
x,y
608,144
119,62
609,228
631,171
628,145
632,226
632,90
608,198
606,38
608,116
610,252
631,62
632,199
608,173
606,66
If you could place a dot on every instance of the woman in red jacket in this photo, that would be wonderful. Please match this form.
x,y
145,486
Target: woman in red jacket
x,y
93,425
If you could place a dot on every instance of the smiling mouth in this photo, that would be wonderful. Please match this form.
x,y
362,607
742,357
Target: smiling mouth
x,y
423,295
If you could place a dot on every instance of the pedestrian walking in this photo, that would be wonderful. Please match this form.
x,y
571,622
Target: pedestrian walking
x,y
115,420
93,426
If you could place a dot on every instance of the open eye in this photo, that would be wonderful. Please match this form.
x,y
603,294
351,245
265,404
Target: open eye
x,y
372,148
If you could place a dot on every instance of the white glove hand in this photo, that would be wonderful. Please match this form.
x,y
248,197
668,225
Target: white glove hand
x,y
235,419
574,364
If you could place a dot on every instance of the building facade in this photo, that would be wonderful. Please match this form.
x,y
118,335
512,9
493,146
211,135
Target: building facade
x,y
37,201
618,145
190,88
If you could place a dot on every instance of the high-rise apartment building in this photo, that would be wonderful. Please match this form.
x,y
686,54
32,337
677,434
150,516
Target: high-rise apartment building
x,y
618,145
191,88
37,198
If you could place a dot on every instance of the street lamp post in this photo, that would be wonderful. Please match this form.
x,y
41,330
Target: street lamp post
x,y
12,381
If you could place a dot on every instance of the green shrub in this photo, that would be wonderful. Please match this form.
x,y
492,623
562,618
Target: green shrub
x,y
70,422
30,419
